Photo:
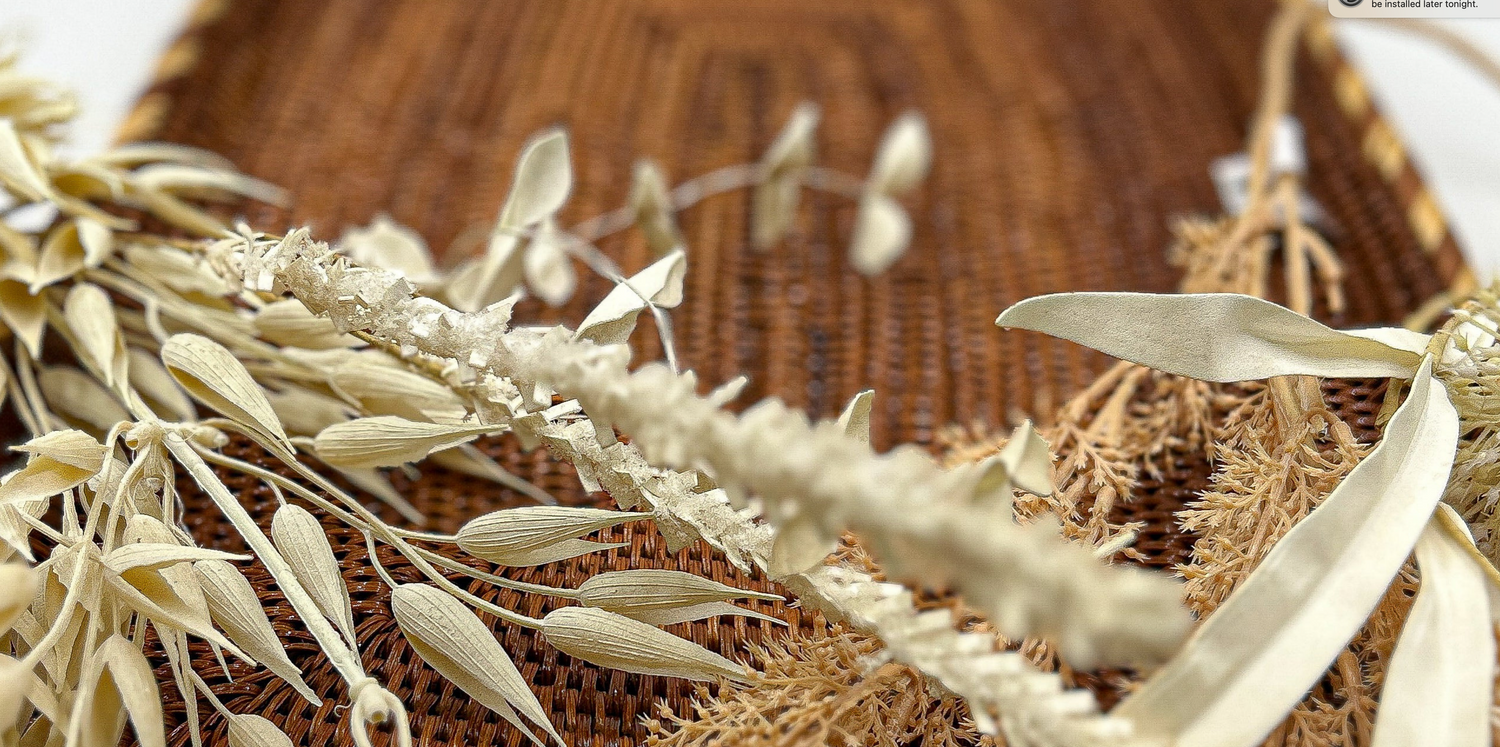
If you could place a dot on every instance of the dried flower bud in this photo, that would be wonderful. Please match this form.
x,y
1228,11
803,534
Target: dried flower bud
x,y
302,542
213,376
452,640
388,441
618,642
533,535
628,592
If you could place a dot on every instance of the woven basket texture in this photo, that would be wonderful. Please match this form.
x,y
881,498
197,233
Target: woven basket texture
x,y
1067,133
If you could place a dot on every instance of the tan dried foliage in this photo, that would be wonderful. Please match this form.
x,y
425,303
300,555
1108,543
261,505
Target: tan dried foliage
x,y
821,689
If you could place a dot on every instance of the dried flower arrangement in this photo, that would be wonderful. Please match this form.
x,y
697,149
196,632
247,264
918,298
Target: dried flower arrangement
x,y
364,356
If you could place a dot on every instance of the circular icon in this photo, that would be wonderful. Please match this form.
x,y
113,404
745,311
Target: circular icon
x,y
1351,3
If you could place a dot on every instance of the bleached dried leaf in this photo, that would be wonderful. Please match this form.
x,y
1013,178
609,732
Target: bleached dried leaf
x,y
135,154
15,686
613,319
17,170
1028,460
151,380
249,730
300,539
520,536
1210,336
191,180
91,318
213,376
390,246
287,322
652,204
904,156
489,279
544,177
41,478
549,271
664,617
153,556
618,642
97,239
305,412
123,669
800,544
882,231
24,313
177,269
236,609
73,448
18,585
388,441
385,389
81,398
1258,654
855,419
1439,685
452,640
63,255
775,201
635,593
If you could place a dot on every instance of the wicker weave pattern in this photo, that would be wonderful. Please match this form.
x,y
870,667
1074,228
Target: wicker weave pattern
x,y
1067,134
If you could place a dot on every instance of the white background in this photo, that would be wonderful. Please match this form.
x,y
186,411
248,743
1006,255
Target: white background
x,y
1448,115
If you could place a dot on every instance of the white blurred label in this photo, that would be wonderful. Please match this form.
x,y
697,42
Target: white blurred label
x,y
1414,8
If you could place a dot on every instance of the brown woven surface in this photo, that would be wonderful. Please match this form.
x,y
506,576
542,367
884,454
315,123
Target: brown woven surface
x,y
1067,133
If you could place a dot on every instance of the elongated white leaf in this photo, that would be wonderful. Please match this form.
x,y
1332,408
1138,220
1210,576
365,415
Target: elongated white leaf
x,y
390,246
249,730
775,201
882,231
1028,460
1256,656
17,170
531,535
1439,685
614,318
452,640
73,448
1209,336
388,441
618,642
544,177
42,477
236,609
192,180
157,555
855,419
640,590
304,545
288,322
91,317
125,669
904,155
17,587
24,313
213,376
152,381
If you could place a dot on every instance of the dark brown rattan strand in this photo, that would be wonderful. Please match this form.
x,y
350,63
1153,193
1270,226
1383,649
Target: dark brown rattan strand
x,y
1067,134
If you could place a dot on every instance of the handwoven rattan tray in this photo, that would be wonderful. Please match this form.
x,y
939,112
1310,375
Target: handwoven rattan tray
x,y
1067,135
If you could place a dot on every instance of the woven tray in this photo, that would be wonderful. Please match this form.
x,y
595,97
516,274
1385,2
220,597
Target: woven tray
x,y
1068,133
